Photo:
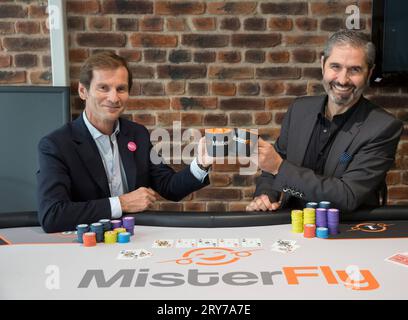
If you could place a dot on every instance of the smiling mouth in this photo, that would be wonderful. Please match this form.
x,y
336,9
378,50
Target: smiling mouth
x,y
342,89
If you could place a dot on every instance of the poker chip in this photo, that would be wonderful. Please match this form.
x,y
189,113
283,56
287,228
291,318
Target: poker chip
x,y
116,224
322,232
325,204
124,237
297,221
89,239
129,224
81,229
110,237
119,230
321,217
309,216
313,205
97,227
333,218
106,223
310,230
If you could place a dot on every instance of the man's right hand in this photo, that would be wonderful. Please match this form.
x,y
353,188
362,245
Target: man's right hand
x,y
138,200
262,203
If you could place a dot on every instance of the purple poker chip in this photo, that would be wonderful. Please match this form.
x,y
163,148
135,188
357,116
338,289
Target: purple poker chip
x,y
116,224
128,221
321,217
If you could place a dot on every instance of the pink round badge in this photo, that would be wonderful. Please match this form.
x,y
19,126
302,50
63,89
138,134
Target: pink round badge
x,y
132,146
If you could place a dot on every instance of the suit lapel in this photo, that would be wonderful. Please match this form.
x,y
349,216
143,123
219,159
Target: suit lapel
x,y
304,129
89,154
345,137
127,156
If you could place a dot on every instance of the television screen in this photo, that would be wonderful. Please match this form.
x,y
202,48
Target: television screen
x,y
389,34
27,114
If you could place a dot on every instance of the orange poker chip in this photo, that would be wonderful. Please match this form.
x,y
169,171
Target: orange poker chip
x,y
309,230
89,239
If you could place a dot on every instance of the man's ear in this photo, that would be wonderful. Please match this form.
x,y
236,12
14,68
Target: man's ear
x,y
370,73
82,91
322,63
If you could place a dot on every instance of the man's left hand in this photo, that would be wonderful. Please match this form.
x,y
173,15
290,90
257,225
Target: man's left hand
x,y
268,159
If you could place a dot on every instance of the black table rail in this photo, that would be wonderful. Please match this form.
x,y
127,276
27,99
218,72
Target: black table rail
x,y
230,219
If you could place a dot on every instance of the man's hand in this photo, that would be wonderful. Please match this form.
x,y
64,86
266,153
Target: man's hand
x,y
138,200
203,158
262,203
269,160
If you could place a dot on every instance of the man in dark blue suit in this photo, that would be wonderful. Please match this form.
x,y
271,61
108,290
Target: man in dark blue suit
x,y
99,166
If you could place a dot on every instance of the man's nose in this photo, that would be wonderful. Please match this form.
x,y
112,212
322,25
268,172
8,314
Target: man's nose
x,y
113,96
342,76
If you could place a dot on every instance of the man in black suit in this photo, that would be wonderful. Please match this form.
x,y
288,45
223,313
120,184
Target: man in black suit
x,y
100,166
336,147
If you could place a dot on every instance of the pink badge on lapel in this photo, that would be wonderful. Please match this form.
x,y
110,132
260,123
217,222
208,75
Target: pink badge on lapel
x,y
132,146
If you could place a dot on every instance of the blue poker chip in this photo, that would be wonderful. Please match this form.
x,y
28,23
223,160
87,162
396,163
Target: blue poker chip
x,y
322,232
124,237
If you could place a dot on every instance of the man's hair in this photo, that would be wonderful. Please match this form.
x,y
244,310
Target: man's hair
x,y
104,60
353,38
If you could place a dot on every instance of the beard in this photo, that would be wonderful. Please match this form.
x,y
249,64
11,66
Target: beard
x,y
343,95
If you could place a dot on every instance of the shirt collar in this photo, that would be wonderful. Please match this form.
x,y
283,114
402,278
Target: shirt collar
x,y
339,118
95,133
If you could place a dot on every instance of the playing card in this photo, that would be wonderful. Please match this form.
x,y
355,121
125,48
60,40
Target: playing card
x,y
284,246
127,254
228,243
399,258
164,243
202,243
186,243
251,243
287,249
143,254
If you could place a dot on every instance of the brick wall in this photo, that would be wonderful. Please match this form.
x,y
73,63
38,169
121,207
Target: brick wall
x,y
204,63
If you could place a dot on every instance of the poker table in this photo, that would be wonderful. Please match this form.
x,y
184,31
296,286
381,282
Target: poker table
x,y
350,265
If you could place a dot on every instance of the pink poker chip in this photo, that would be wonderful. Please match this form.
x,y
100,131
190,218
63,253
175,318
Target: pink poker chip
x,y
132,146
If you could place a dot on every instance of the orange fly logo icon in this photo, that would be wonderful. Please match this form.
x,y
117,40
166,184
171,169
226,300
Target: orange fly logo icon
x,y
370,227
212,256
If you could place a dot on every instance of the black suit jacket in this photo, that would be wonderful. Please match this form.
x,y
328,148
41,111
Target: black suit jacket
x,y
361,154
72,183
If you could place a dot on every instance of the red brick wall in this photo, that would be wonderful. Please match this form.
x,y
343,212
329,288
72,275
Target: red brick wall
x,y
205,63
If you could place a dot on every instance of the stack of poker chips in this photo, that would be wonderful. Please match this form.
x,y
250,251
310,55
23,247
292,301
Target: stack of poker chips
x,y
309,216
108,231
313,205
110,237
106,223
321,217
310,230
81,230
333,217
89,239
129,224
324,204
97,227
322,232
116,224
297,221
123,237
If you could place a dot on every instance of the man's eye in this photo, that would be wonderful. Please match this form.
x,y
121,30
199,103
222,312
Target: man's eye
x,y
335,67
355,70
103,88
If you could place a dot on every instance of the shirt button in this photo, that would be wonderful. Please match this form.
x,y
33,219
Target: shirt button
x,y
325,130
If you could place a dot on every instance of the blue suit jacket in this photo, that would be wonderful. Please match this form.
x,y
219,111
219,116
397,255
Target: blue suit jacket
x,y
72,183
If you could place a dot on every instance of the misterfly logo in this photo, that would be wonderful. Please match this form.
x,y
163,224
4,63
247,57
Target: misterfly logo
x,y
212,256
352,277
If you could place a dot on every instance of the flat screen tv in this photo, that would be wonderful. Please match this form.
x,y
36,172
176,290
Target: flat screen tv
x,y
390,35
26,115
